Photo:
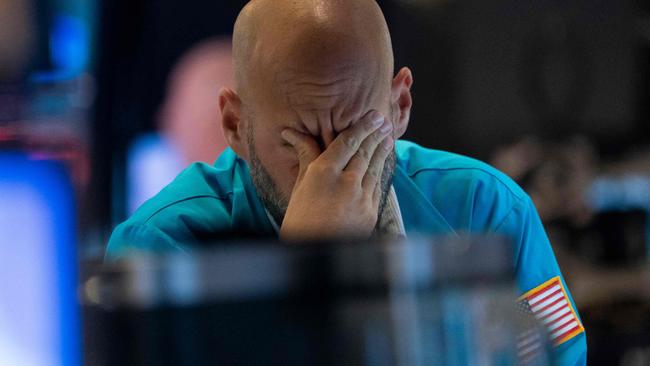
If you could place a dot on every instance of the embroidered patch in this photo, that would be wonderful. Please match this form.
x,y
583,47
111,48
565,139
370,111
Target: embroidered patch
x,y
552,308
530,343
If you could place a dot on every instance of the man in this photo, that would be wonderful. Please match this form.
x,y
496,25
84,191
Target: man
x,y
189,116
312,127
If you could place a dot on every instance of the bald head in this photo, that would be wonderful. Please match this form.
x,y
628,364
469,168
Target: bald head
x,y
316,41
316,67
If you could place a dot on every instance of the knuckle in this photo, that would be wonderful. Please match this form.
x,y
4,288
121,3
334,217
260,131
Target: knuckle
x,y
373,173
374,140
377,137
320,168
364,154
351,177
370,118
368,125
350,140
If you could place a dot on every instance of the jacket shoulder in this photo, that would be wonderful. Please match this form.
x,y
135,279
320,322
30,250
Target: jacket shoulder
x,y
197,202
199,184
416,161
470,194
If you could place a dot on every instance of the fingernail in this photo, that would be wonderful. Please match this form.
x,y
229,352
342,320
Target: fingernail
x,y
386,127
377,120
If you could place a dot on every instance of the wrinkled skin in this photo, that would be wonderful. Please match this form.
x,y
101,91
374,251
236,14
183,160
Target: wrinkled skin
x,y
309,87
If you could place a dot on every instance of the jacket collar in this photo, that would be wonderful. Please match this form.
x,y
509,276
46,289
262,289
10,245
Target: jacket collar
x,y
419,214
247,209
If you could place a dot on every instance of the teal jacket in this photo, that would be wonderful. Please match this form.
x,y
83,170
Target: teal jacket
x,y
438,193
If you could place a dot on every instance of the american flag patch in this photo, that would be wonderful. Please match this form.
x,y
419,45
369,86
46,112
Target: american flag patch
x,y
552,308
530,341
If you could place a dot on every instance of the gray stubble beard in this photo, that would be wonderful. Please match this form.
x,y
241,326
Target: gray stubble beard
x,y
276,204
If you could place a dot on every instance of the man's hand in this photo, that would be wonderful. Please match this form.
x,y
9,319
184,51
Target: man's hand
x,y
337,192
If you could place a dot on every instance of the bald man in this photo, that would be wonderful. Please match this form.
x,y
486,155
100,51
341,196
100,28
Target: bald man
x,y
312,128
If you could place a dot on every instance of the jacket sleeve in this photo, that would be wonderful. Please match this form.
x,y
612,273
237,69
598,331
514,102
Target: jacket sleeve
x,y
535,264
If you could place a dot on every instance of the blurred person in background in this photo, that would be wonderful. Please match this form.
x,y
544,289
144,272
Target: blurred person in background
x,y
597,213
16,38
312,128
571,186
189,121
189,116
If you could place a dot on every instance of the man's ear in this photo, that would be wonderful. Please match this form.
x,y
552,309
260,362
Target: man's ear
x,y
231,121
401,101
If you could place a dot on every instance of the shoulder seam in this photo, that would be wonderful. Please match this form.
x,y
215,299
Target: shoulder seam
x,y
185,200
520,200
519,196
510,210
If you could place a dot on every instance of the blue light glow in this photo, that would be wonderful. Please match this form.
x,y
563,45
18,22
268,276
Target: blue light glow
x,y
153,162
69,43
39,320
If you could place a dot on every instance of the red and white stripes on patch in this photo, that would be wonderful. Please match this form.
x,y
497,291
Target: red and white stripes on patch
x,y
551,306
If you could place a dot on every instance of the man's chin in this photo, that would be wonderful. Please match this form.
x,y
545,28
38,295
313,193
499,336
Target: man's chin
x,y
270,199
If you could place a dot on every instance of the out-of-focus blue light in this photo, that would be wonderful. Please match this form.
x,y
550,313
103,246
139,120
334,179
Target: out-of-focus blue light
x,y
69,43
39,320
69,49
620,193
153,162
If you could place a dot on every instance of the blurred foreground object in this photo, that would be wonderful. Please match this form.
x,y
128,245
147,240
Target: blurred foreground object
x,y
44,174
45,94
38,306
450,301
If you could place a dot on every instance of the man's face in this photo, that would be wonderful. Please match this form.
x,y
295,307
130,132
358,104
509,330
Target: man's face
x,y
321,107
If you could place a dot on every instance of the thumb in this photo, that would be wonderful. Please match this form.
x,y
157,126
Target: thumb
x,y
306,147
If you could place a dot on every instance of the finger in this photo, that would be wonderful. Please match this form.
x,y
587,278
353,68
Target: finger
x,y
306,148
376,194
346,144
361,160
372,178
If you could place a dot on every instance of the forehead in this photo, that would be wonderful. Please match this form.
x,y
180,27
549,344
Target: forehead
x,y
326,98
326,89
